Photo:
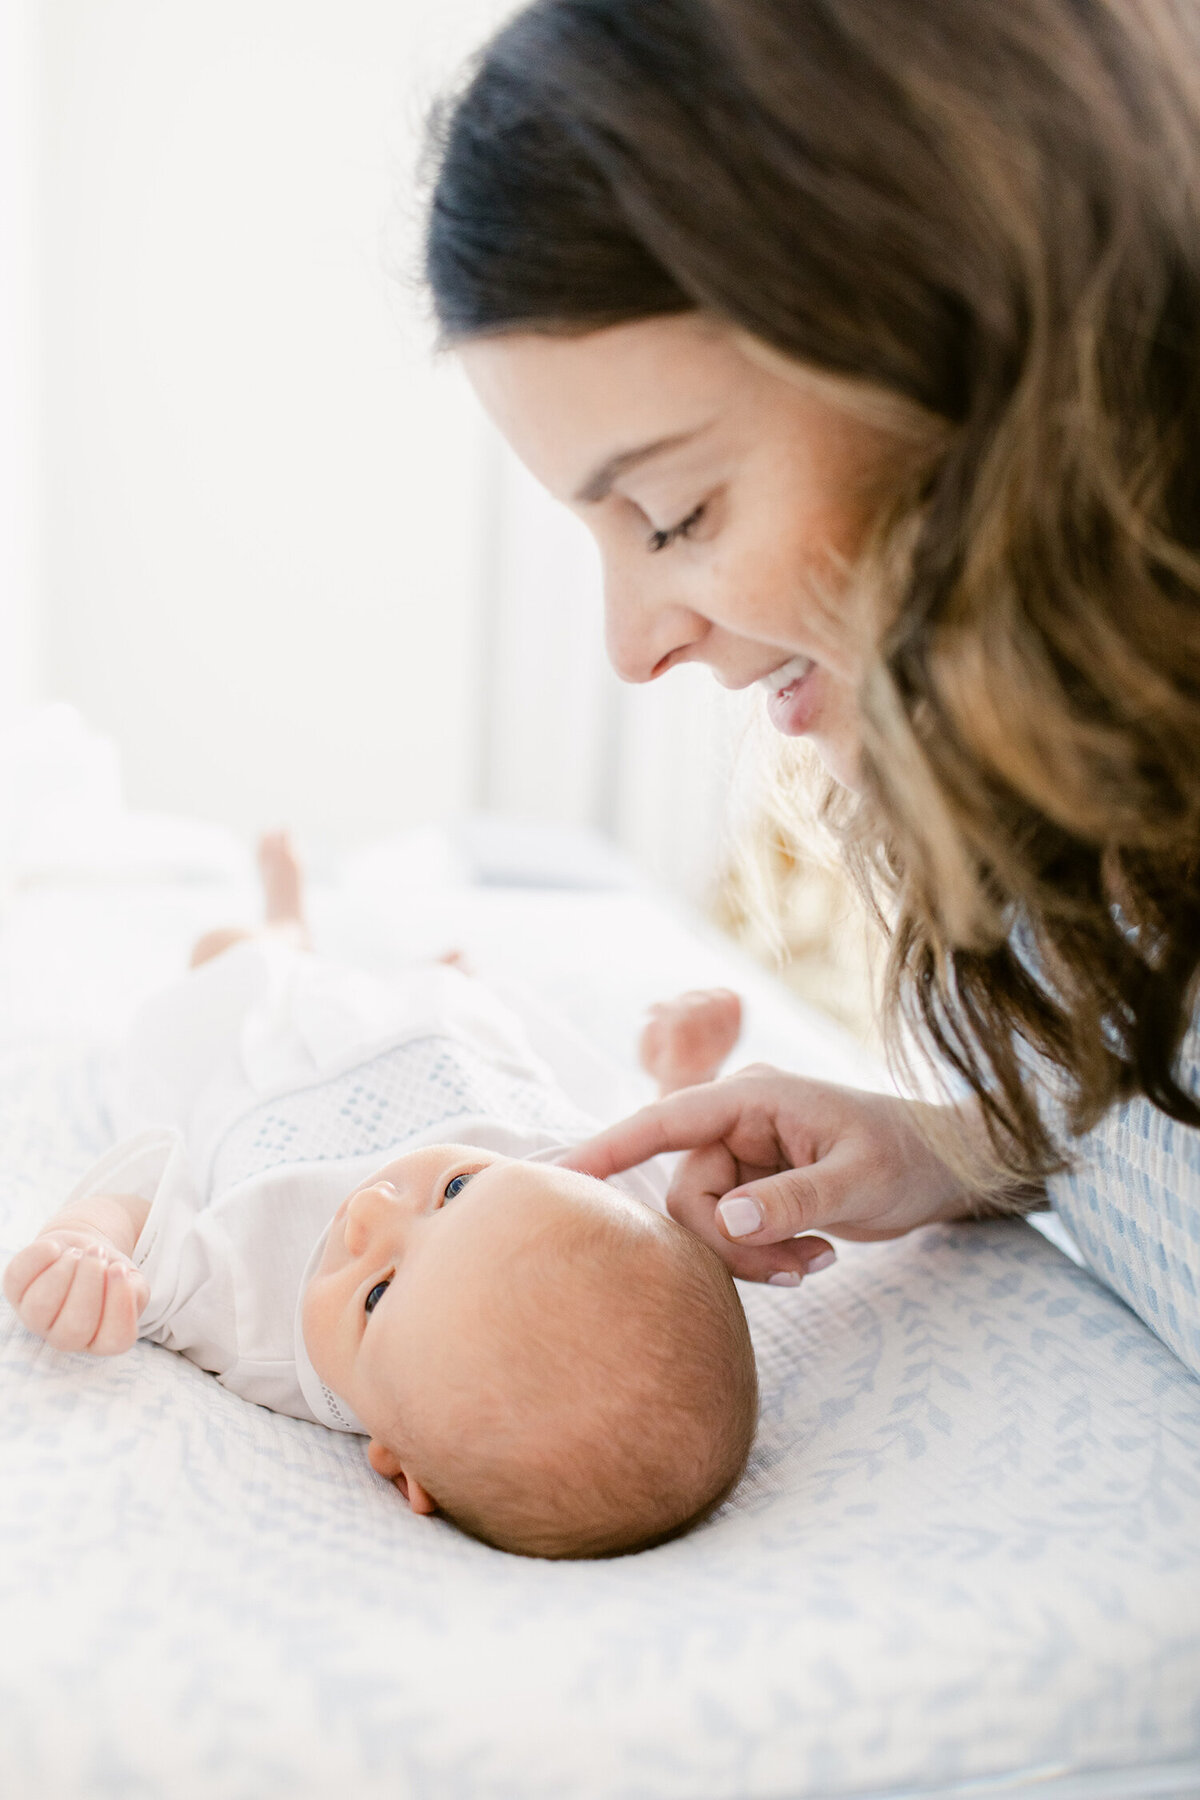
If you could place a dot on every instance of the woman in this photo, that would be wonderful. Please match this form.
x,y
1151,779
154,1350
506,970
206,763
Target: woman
x,y
865,336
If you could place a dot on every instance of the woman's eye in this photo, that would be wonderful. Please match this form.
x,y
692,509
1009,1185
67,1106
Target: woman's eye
x,y
376,1294
455,1187
662,540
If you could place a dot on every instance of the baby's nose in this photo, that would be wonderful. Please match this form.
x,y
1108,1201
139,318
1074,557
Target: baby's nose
x,y
370,1210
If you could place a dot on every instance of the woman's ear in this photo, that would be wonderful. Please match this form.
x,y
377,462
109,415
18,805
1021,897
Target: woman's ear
x,y
385,1462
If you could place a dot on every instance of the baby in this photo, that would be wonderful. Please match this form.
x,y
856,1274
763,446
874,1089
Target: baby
x,y
344,1204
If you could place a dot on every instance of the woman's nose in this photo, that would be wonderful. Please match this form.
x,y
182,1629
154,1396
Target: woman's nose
x,y
372,1211
641,633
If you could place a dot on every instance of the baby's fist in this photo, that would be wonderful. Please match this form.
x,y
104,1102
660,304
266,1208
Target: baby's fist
x,y
78,1292
686,1040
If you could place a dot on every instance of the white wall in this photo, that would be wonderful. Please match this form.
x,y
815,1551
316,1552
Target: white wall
x,y
562,738
288,567
20,533
261,496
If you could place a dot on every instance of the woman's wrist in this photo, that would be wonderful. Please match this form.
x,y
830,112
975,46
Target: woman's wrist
x,y
975,1188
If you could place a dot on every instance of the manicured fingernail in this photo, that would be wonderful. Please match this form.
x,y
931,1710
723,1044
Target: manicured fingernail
x,y
740,1215
785,1278
820,1262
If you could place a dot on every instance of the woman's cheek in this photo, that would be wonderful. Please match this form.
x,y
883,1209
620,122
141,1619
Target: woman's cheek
x,y
765,592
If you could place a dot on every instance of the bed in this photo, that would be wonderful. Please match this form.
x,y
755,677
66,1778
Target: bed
x,y
965,1559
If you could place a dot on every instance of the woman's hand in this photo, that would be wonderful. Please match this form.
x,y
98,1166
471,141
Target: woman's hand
x,y
77,1290
771,1155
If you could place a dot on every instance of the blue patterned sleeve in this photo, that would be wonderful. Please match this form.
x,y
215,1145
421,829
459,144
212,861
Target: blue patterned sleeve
x,y
1131,1201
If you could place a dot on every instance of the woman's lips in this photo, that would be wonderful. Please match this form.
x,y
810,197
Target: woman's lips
x,y
793,693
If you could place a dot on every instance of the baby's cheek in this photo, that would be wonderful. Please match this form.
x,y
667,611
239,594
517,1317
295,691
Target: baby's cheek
x,y
314,1316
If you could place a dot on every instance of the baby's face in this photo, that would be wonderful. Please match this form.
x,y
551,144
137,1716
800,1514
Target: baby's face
x,y
412,1254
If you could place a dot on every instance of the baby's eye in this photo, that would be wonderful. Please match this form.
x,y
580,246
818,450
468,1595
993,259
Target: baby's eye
x,y
455,1187
376,1295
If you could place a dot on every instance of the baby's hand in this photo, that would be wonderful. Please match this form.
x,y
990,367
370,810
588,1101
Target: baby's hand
x,y
77,1291
686,1040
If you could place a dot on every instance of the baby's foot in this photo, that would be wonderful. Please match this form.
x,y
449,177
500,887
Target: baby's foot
x,y
215,943
687,1040
282,882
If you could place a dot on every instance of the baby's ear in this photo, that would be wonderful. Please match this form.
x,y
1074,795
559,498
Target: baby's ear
x,y
385,1462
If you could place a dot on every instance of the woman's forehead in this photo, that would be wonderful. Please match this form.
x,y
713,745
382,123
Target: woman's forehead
x,y
567,403
576,408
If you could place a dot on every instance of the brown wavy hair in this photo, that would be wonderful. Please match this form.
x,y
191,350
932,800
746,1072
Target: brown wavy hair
x,y
987,211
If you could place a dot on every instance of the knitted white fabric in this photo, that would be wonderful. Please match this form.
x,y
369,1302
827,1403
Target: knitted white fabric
x,y
379,1103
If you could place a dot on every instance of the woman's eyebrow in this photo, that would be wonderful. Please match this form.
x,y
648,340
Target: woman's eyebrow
x,y
599,484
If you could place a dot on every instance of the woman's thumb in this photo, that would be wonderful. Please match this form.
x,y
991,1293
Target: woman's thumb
x,y
778,1207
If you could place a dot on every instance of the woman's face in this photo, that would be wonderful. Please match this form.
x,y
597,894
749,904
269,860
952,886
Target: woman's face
x,y
727,497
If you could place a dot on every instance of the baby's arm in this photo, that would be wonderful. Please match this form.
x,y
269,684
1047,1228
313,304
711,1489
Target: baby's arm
x,y
76,1284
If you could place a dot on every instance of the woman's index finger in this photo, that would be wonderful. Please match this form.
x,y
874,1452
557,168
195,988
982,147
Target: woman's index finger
x,y
684,1121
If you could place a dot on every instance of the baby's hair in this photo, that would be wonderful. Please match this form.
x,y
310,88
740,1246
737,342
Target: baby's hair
x,y
629,1398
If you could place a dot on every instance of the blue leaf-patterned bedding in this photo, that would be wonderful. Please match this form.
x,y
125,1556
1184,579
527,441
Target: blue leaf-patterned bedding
x,y
965,1560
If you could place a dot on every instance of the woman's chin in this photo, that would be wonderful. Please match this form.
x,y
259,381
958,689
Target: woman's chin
x,y
822,711
839,759
823,708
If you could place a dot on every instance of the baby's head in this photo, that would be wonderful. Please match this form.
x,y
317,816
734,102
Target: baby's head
x,y
555,1367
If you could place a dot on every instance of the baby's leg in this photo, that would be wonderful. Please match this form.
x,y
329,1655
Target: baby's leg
x,y
686,1040
283,903
283,888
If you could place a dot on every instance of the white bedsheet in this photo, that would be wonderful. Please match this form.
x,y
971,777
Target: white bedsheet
x,y
966,1558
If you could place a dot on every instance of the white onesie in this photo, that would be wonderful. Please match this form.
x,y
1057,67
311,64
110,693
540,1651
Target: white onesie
x,y
263,1088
